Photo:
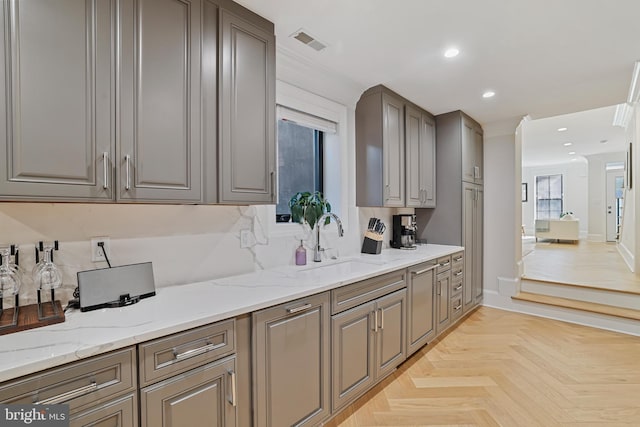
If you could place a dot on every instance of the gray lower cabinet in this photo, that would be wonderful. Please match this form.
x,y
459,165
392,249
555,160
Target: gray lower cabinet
x,y
56,110
205,396
368,343
159,148
291,357
122,412
443,301
472,233
421,322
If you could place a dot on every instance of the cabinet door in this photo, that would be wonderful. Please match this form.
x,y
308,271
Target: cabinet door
x,y
428,161
478,145
413,129
247,113
420,309
390,345
201,397
468,227
122,412
468,151
352,353
291,363
443,301
56,106
393,150
478,245
160,147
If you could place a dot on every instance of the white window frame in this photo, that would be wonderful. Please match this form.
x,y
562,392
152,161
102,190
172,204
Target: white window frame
x,y
336,154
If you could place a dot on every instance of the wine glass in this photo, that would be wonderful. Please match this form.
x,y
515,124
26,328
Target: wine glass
x,y
46,275
10,280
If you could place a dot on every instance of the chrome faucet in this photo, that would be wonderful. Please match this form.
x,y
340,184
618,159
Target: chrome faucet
x,y
317,249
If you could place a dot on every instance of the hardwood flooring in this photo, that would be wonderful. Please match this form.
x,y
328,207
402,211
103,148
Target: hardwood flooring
x,y
590,264
499,368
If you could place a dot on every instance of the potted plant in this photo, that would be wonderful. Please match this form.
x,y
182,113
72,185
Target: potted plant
x,y
567,216
307,207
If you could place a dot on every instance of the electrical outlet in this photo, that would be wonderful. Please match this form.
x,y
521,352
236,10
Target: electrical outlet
x,y
247,239
96,251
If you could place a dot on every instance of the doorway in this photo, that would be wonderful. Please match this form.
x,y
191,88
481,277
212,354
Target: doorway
x,y
615,200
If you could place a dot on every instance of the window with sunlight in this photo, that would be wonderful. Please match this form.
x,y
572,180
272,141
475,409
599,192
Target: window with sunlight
x,y
548,196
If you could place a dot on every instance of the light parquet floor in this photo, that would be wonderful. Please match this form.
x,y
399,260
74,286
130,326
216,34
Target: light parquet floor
x,y
499,368
590,264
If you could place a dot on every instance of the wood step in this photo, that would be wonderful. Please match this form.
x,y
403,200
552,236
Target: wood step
x,y
626,313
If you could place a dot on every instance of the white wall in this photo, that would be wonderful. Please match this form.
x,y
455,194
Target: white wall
x,y
630,235
575,186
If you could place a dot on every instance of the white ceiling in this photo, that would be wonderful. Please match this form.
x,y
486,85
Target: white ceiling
x,y
541,57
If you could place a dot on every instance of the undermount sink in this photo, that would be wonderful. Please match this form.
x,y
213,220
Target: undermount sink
x,y
337,267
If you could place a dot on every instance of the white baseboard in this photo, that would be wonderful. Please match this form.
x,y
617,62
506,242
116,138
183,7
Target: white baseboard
x,y
627,256
495,299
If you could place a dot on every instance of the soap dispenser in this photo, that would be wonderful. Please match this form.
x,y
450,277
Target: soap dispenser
x,y
301,255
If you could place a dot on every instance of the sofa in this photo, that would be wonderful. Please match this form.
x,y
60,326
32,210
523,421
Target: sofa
x,y
558,229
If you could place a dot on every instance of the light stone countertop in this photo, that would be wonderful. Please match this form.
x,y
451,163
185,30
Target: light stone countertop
x,y
181,307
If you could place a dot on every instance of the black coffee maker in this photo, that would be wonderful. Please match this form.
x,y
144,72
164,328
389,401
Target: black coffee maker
x,y
404,231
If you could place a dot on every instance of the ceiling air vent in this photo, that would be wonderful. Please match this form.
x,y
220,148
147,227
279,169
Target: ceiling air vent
x,y
304,37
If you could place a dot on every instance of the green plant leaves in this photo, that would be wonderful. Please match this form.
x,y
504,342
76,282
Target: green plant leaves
x,y
307,207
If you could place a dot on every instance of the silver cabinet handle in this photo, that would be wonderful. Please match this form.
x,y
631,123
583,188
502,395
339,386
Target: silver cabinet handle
x,y
299,309
234,392
457,288
381,318
375,320
458,274
105,170
419,272
439,291
458,259
127,166
444,264
69,395
273,186
194,352
458,307
476,172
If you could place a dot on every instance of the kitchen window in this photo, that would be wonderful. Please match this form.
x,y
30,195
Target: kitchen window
x,y
301,155
548,196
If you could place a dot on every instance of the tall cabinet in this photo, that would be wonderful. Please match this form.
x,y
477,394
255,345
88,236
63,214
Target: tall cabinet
x,y
458,216
420,129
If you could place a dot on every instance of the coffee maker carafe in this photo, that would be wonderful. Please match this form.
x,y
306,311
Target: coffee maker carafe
x,y
404,231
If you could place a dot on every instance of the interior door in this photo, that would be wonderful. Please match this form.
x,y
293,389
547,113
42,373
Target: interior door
x,y
615,193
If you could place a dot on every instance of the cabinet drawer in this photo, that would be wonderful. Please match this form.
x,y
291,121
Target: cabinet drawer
x,y
456,286
456,307
456,272
80,384
122,412
358,293
457,260
164,357
444,264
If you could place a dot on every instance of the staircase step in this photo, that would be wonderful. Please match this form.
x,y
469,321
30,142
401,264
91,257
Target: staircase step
x,y
592,307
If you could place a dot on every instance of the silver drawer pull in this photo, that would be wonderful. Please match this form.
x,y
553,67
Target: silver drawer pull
x,y
419,272
458,287
127,165
375,320
381,318
458,274
458,259
69,395
444,264
299,309
234,392
194,352
458,307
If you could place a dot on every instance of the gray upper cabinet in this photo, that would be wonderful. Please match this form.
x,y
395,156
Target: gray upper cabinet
x,y
380,149
472,151
291,356
420,128
57,106
247,107
159,151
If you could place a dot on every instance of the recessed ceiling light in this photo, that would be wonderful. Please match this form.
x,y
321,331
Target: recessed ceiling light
x,y
452,52
574,159
562,129
571,153
566,144
488,94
